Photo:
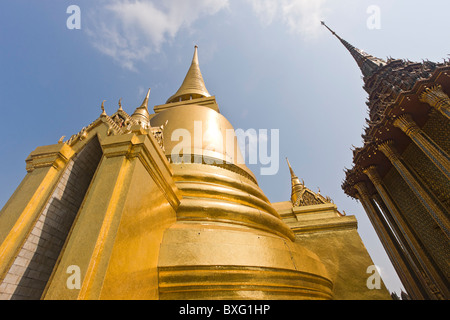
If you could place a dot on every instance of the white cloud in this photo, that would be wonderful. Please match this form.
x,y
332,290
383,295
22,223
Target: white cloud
x,y
303,16
300,16
266,10
129,31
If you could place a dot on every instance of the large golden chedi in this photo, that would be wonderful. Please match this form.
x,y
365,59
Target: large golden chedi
x,y
161,206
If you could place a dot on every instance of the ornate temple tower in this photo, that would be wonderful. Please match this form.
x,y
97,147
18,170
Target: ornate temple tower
x,y
401,173
161,206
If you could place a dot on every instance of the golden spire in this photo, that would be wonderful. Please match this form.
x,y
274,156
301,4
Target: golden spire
x,y
141,114
294,178
193,86
103,109
290,169
297,186
301,195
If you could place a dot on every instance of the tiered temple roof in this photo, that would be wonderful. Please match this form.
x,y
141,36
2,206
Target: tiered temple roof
x,y
393,88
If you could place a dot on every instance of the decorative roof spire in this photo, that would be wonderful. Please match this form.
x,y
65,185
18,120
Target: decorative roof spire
x,y
367,63
297,186
193,86
302,196
103,109
293,176
141,114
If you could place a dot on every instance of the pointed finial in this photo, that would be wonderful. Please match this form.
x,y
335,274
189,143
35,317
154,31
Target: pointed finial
x,y
368,64
193,86
195,58
290,168
296,186
141,114
120,104
145,102
103,108
294,178
334,33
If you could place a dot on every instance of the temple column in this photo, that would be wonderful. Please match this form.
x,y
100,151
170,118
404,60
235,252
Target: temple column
x,y
424,267
437,98
416,289
389,242
411,179
438,156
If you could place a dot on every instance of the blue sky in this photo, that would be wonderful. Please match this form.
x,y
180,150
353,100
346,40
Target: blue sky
x,y
268,62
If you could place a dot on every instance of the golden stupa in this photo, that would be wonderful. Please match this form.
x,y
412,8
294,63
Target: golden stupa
x,y
142,207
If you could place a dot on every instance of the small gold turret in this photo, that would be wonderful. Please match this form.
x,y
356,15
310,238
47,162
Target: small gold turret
x,y
141,114
303,196
297,186
193,86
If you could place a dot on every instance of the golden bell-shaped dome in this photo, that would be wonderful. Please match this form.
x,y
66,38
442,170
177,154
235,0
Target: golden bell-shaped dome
x,y
193,86
228,242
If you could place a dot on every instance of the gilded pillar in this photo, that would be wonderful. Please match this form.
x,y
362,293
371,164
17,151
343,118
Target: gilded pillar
x,y
437,98
419,259
438,156
435,210
389,241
